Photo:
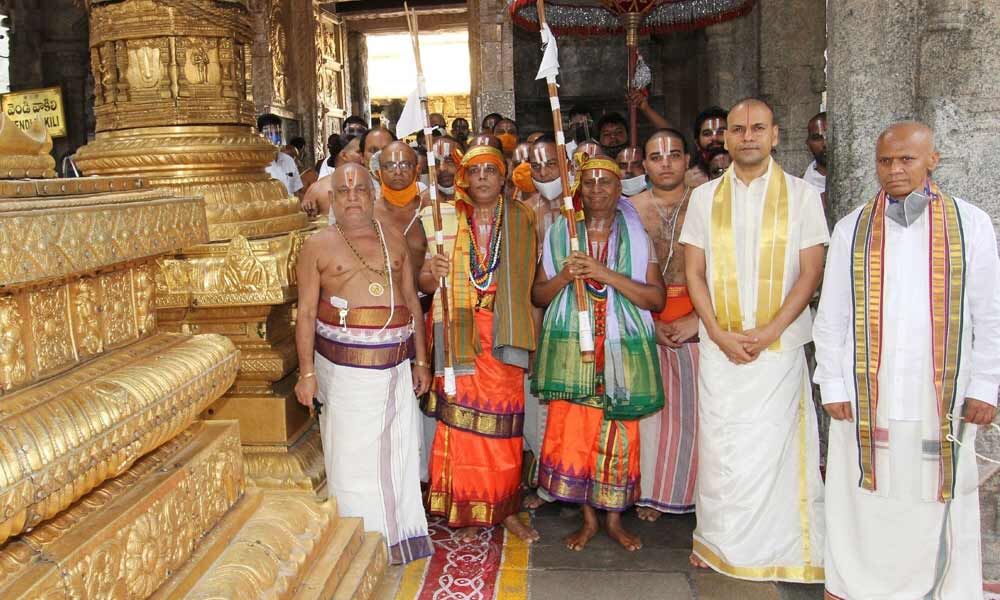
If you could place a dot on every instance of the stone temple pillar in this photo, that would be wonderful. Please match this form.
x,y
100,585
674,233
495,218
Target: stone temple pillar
x,y
732,56
173,105
792,78
491,48
935,62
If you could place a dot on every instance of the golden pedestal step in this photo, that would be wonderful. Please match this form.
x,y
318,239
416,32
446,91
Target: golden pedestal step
x,y
179,524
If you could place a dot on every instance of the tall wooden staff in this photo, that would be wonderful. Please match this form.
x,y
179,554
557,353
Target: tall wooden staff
x,y
583,313
449,367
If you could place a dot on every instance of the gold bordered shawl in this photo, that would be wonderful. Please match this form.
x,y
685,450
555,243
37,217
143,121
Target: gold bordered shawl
x,y
946,270
771,261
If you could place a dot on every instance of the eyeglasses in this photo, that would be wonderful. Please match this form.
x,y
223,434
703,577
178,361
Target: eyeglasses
x,y
404,165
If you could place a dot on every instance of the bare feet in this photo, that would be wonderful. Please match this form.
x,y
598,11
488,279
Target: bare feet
x,y
466,535
618,533
533,501
579,538
648,514
697,562
515,526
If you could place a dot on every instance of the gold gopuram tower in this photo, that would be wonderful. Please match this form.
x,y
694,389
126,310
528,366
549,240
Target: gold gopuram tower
x,y
173,106
110,486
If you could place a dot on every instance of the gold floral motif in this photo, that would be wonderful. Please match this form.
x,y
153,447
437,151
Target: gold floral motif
x,y
119,314
13,368
41,239
132,548
49,331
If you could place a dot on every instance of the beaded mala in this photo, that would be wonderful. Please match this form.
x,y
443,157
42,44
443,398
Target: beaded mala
x,y
482,267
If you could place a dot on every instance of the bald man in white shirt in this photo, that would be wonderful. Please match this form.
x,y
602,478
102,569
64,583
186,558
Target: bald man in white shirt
x,y
908,361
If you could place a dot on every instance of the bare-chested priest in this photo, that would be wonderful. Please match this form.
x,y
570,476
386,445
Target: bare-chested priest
x,y
668,456
355,337
400,202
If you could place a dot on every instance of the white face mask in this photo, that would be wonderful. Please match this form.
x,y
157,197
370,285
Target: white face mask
x,y
633,185
446,190
550,190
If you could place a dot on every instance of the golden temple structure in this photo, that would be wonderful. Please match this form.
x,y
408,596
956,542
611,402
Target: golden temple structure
x,y
173,105
152,446
112,485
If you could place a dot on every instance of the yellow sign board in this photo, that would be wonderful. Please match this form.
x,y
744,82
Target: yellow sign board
x,y
45,103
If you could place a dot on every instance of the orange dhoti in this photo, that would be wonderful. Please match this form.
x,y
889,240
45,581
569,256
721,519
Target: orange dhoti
x,y
475,470
586,458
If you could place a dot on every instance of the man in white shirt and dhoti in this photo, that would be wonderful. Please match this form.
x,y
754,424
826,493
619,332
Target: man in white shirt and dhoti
x,y
908,360
754,243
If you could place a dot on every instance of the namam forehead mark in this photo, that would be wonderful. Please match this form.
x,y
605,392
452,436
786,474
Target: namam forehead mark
x,y
665,144
747,112
713,123
353,176
541,153
596,175
818,125
443,148
397,151
630,155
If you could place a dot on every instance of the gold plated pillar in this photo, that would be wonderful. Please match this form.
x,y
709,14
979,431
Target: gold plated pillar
x,y
173,105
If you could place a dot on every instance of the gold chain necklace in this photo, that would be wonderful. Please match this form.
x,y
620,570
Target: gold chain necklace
x,y
375,288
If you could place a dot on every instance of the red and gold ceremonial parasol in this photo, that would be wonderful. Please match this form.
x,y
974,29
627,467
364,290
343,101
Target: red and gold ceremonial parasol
x,y
631,17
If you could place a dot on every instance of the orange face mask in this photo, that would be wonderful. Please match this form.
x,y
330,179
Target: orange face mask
x,y
508,141
521,176
400,198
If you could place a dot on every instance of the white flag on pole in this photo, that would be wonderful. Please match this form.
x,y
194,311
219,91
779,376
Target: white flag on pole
x,y
412,118
550,59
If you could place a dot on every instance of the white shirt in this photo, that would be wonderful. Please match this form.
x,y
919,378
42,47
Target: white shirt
x,y
813,177
284,169
905,377
325,169
806,228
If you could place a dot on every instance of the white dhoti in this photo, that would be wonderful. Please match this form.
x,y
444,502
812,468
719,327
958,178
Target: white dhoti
x,y
899,546
370,427
759,499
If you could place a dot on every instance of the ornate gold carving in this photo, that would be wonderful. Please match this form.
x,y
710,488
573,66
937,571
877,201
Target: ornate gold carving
x,y
13,366
86,317
279,544
40,239
121,406
49,329
110,546
278,42
242,272
143,282
143,67
25,153
182,50
119,317
296,466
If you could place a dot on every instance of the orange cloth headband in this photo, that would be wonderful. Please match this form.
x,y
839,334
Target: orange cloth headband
x,y
477,155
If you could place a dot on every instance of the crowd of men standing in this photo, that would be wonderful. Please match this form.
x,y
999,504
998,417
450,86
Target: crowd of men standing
x,y
697,264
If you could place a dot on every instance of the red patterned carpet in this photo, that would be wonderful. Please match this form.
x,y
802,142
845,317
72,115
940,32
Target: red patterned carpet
x,y
493,567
